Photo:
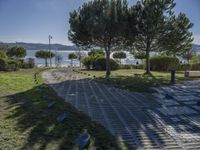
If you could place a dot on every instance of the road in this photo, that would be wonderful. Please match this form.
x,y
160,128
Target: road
x,y
144,120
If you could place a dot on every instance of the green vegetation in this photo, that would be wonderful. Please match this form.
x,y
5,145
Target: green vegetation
x,y
16,52
119,55
164,63
27,123
71,57
44,55
97,61
148,26
125,79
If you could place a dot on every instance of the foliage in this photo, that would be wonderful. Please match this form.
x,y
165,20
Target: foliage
x,y
99,24
195,59
96,52
89,62
29,63
16,52
44,55
139,55
72,56
185,67
100,64
2,55
119,55
13,65
160,30
3,64
164,63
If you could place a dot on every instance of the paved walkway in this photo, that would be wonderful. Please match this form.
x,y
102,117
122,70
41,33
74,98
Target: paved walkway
x,y
146,121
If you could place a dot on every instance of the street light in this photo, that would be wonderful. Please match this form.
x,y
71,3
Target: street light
x,y
50,37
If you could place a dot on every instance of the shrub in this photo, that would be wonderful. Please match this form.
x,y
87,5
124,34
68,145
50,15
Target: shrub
x,y
29,63
164,63
184,67
195,66
96,52
89,62
2,55
3,64
100,64
12,65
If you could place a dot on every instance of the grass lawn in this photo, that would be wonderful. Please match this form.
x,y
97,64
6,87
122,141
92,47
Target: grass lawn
x,y
124,79
27,123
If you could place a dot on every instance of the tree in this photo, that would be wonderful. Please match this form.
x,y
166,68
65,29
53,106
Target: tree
x,y
95,52
158,28
16,52
99,23
140,55
72,56
44,55
119,55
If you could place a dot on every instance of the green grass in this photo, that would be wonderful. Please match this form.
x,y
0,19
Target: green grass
x,y
27,123
125,79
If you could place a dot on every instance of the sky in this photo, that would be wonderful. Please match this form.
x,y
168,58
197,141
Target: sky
x,y
33,20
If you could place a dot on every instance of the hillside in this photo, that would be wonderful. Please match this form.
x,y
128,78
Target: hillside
x,y
38,46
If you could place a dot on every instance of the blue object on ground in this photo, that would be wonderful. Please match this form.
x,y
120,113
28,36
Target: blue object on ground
x,y
83,140
50,104
167,96
61,117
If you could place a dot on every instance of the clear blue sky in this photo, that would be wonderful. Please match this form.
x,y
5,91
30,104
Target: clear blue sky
x,y
34,20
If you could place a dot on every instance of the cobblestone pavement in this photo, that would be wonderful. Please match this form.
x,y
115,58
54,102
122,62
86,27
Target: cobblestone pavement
x,y
167,119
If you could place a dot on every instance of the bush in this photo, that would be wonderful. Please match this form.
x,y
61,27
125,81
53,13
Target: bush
x,y
3,64
29,63
100,64
195,66
89,62
184,67
12,65
164,63
2,55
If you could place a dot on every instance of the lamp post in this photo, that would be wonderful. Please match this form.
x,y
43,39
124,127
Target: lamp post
x,y
50,37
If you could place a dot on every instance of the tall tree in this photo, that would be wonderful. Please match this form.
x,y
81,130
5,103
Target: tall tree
x,y
99,23
44,55
156,27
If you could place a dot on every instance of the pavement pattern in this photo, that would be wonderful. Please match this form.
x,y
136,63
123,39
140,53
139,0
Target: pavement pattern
x,y
166,119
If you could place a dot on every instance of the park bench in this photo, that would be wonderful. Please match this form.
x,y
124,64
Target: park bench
x,y
192,73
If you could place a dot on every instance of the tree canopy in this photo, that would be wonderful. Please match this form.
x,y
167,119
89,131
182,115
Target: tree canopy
x,y
44,55
148,26
16,52
159,30
119,55
99,23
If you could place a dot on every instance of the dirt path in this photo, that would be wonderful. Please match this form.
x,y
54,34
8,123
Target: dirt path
x,y
146,121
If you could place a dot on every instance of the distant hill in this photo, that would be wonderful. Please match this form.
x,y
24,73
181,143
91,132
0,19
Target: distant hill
x,y
39,46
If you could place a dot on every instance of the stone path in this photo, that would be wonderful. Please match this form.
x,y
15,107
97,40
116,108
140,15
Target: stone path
x,y
144,120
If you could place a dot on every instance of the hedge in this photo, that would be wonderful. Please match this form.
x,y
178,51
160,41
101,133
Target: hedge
x,y
100,64
164,63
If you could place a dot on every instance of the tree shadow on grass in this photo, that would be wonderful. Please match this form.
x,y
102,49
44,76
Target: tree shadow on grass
x,y
38,122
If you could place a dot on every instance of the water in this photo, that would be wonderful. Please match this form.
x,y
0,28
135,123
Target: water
x,y
63,53
65,61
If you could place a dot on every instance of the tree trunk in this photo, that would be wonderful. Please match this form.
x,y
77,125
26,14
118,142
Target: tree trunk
x,y
45,62
148,72
107,50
